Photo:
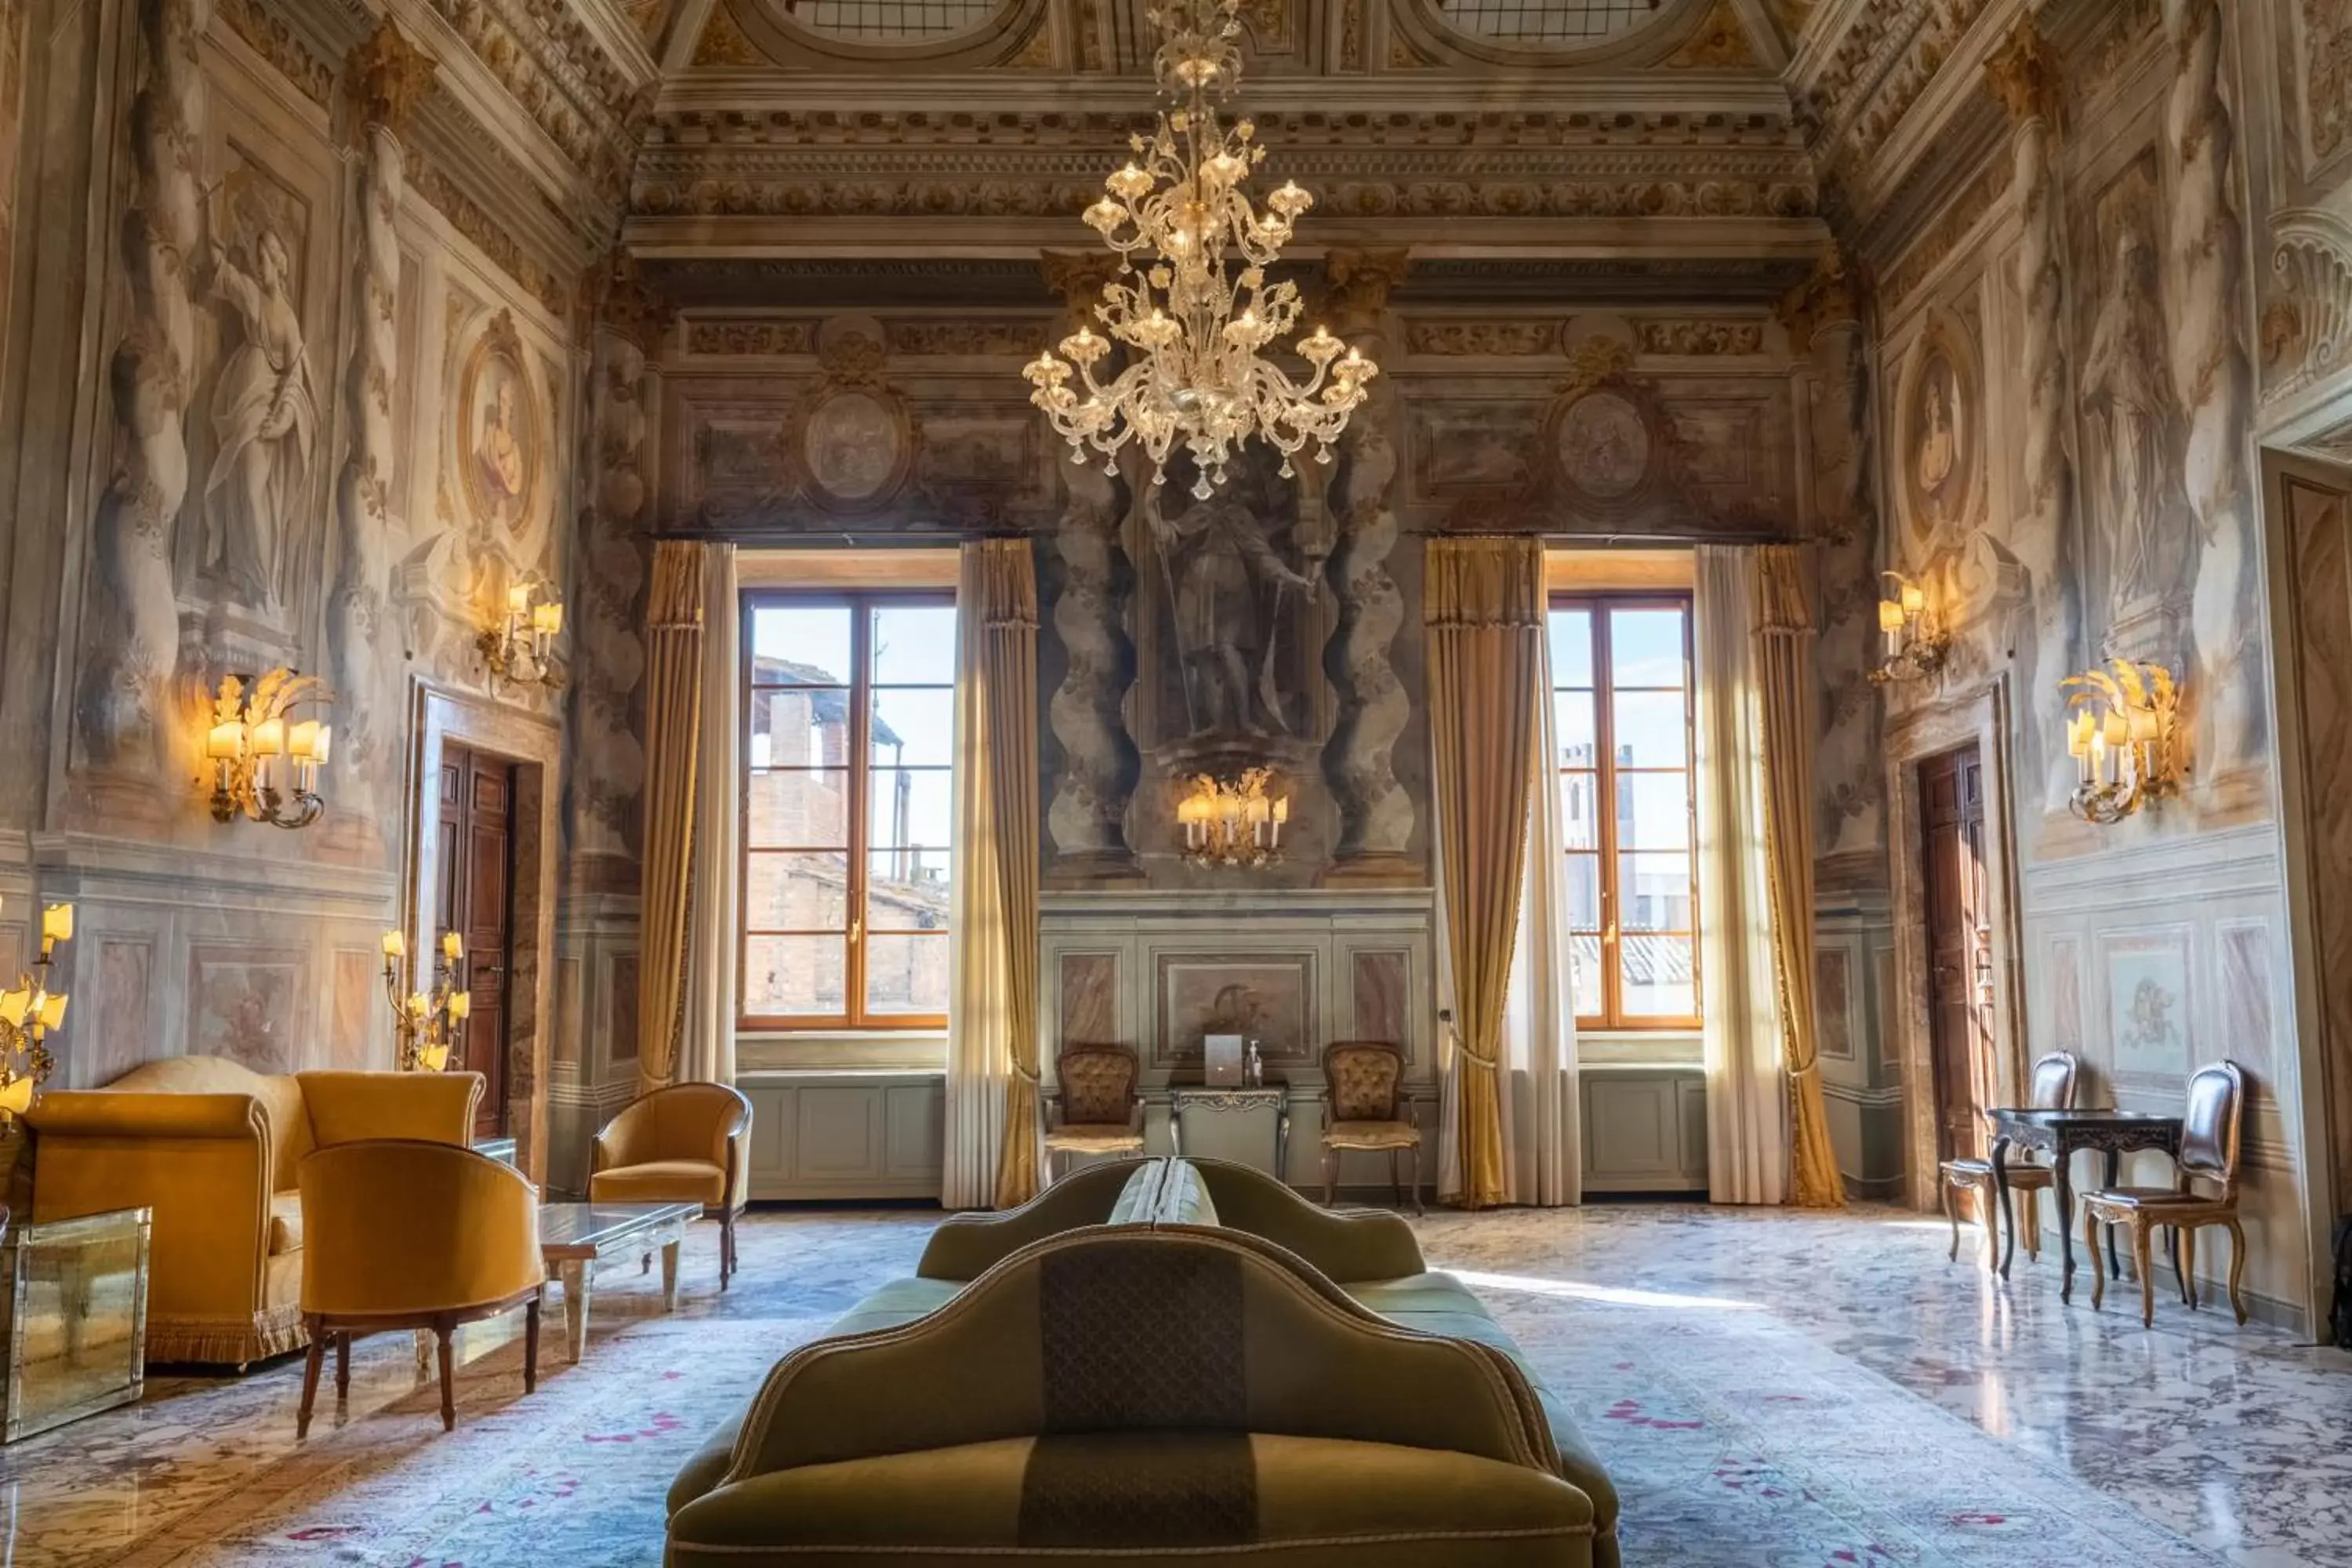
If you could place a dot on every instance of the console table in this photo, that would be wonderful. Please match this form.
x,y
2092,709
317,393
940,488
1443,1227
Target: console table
x,y
1244,1125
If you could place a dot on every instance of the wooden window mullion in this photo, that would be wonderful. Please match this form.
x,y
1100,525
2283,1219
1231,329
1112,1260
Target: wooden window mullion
x,y
1604,744
861,789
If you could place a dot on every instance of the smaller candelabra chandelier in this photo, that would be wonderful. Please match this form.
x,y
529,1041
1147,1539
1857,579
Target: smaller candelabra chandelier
x,y
520,647
2124,735
1234,823
427,1023
1915,644
29,1013
265,763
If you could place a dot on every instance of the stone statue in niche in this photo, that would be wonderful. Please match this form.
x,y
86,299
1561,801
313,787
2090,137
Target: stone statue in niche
x,y
1226,589
2123,387
265,411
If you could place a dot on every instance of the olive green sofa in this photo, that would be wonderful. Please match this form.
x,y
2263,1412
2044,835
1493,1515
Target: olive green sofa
x,y
1155,1359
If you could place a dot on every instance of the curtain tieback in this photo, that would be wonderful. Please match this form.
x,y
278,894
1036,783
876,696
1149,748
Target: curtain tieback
x,y
1032,1075
1475,1059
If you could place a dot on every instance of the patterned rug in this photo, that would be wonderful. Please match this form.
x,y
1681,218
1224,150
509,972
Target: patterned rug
x,y
1737,1438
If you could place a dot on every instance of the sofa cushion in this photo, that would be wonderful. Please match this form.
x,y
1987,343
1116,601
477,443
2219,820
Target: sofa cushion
x,y
1211,1498
286,1222
1137,1198
1184,1197
659,1182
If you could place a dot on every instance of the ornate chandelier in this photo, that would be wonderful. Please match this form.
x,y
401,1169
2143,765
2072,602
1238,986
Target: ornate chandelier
x,y
1194,333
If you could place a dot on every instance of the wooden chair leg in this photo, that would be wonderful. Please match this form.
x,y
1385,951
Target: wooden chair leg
x,y
2184,1258
2237,1265
2029,1221
448,1380
2090,1241
1330,1176
1412,1177
343,1365
726,1247
2142,1261
310,1367
1396,1186
1988,1214
530,1343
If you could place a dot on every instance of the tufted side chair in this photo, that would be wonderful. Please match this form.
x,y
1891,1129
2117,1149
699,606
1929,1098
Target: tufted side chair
x,y
1096,1107
1363,1109
2052,1088
2209,1128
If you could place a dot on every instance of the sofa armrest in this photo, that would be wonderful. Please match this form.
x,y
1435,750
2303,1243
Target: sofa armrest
x,y
966,1246
1345,1247
114,1113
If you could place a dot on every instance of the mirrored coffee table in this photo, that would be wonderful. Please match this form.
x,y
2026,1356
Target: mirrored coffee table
x,y
575,1237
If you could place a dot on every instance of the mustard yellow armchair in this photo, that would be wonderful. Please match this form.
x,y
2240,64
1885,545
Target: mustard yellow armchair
x,y
410,1234
686,1143
213,1148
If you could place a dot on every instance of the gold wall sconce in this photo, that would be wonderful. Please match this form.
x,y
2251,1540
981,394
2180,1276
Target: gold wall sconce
x,y
1915,644
29,1013
520,647
2124,733
1234,823
427,1023
265,764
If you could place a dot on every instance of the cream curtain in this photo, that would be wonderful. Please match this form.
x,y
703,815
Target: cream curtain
x,y
1784,627
707,1043
992,1075
1483,605
1747,1099
674,671
1542,1147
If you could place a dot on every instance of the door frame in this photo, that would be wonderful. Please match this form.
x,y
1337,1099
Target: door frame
x,y
1980,714
535,745
2304,1060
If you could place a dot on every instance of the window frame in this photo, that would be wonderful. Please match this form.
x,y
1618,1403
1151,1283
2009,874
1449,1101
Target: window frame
x,y
859,851
1605,773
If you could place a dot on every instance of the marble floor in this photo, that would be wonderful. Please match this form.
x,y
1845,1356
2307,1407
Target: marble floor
x,y
1770,1388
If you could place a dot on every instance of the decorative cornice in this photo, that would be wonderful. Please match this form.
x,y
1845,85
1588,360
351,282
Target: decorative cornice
x,y
1498,340
387,77
966,338
1698,337
278,44
430,182
1959,219
1880,68
749,338
549,62
2025,75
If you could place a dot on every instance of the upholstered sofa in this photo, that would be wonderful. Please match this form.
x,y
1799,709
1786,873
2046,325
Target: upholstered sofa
x,y
1155,1358
213,1148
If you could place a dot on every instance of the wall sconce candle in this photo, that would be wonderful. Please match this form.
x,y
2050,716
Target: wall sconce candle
x,y
1233,823
1915,645
425,1021
265,768
520,647
2124,735
29,1013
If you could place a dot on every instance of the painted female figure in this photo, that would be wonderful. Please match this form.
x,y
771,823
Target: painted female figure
x,y
2124,378
266,417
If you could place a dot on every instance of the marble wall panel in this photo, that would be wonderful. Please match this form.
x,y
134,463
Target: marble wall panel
x,y
2247,984
1089,983
2065,971
1382,987
621,1008
569,1039
357,1013
2150,1013
1271,996
1833,1002
120,1014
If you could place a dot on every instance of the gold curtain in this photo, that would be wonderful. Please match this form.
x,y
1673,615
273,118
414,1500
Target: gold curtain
x,y
1784,629
1006,579
673,741
1483,607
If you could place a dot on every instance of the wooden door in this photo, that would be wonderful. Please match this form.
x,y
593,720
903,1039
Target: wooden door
x,y
476,900
1960,944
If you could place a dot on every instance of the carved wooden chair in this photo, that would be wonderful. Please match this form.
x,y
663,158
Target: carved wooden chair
x,y
1363,1109
1097,1106
2052,1088
2209,1128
